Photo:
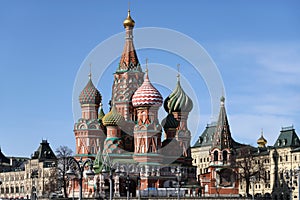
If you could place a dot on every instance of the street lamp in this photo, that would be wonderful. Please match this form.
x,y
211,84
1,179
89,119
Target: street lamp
x,y
108,165
178,175
139,185
127,185
80,165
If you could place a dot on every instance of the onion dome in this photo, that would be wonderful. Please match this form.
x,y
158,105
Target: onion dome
x,y
170,122
128,21
178,101
261,141
90,94
113,118
147,95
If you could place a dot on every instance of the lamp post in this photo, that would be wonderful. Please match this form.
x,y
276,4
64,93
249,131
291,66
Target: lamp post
x,y
178,175
127,185
108,165
139,185
80,165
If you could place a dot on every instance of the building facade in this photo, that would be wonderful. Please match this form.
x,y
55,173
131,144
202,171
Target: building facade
x,y
280,171
214,154
264,171
129,136
29,178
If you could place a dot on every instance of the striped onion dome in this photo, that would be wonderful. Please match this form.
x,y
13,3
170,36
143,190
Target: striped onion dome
x,y
113,118
90,94
170,122
178,101
147,95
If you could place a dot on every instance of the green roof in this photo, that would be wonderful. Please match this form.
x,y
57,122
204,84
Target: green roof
x,y
3,159
207,136
44,152
287,138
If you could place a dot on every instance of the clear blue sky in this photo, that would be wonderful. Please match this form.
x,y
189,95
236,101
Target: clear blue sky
x,y
255,45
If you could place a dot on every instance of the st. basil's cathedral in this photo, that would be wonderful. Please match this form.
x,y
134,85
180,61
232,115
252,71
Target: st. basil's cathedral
x,y
129,136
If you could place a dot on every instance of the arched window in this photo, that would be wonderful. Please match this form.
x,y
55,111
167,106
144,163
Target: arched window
x,y
216,154
225,155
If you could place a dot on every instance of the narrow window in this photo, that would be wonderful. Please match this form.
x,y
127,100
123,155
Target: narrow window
x,y
216,155
225,154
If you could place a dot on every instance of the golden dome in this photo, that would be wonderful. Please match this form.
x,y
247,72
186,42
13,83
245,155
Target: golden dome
x,y
261,141
128,21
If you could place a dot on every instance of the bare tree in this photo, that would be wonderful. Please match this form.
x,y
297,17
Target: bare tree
x,y
63,153
250,165
51,182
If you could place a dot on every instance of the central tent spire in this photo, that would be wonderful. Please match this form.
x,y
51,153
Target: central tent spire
x,y
129,60
129,75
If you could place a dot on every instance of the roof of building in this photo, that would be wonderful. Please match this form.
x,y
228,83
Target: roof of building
x,y
147,94
178,101
262,141
129,60
113,145
44,152
222,137
128,21
112,118
206,137
90,94
287,138
3,159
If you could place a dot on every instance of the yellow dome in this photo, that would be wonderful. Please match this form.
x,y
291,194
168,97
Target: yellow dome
x,y
262,141
128,21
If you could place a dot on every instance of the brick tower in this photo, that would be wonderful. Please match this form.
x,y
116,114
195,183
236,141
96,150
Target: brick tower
x,y
147,132
129,76
88,131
